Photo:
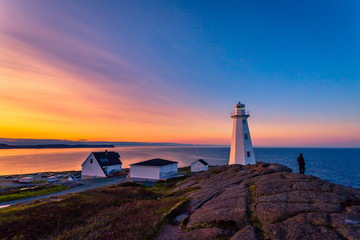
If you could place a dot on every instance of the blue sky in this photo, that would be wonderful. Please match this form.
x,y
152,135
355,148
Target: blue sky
x,y
295,64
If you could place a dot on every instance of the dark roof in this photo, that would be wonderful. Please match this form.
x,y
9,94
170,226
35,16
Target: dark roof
x,y
202,161
155,162
107,158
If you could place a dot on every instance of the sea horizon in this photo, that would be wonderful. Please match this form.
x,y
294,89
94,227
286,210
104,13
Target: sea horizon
x,y
337,165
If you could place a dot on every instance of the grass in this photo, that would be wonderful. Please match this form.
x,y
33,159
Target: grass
x,y
165,187
230,225
124,211
169,217
39,181
14,194
175,211
216,171
184,191
255,221
185,170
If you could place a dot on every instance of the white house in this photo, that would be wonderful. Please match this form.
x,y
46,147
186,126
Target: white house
x,y
153,170
100,164
199,166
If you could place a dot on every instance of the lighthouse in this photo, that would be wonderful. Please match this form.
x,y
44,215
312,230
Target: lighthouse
x,y
241,151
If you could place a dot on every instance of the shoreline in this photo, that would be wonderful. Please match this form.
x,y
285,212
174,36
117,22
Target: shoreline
x,y
344,168
37,175
257,200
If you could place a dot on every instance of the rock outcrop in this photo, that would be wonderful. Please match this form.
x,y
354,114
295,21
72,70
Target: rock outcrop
x,y
267,201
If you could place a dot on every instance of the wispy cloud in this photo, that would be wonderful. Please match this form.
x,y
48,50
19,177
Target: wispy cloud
x,y
63,78
62,85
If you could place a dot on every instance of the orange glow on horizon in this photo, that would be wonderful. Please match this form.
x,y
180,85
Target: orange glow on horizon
x,y
46,96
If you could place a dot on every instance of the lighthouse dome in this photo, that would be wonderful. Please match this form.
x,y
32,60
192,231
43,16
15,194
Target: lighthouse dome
x,y
240,105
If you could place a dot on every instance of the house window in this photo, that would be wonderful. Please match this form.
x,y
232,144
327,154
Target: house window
x,y
244,121
91,161
246,137
248,154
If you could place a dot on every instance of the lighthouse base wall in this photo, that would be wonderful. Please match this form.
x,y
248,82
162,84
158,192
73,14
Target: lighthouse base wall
x,y
241,151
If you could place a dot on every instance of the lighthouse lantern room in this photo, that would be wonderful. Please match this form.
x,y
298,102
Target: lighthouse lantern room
x,y
241,151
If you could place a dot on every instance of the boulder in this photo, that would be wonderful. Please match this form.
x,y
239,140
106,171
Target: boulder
x,y
268,201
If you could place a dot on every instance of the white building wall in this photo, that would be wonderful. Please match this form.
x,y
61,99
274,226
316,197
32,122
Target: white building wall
x,y
168,171
198,167
145,172
248,145
91,169
169,168
239,145
113,167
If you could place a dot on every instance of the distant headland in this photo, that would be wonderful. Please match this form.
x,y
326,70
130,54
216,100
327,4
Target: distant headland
x,y
42,146
23,143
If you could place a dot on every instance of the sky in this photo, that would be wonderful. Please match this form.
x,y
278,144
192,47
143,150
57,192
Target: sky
x,y
171,71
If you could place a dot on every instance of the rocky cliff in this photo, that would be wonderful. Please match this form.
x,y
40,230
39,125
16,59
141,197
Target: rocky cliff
x,y
264,201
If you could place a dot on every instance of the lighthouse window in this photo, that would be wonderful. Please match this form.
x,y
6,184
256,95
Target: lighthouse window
x,y
244,121
246,137
248,154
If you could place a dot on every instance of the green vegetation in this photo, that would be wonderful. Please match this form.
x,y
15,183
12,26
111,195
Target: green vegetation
x,y
216,171
165,187
185,170
123,211
39,181
230,225
175,211
255,221
184,191
168,217
252,190
14,194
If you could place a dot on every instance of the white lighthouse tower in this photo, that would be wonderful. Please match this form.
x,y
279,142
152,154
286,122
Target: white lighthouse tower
x,y
242,151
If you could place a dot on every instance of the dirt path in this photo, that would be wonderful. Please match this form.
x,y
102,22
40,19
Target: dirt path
x,y
169,232
88,184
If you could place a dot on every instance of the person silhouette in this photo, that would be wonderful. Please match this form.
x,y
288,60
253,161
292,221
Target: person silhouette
x,y
301,163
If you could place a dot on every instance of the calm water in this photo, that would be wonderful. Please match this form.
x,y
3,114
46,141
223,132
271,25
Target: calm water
x,y
336,165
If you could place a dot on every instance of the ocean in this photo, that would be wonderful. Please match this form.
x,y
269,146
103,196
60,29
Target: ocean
x,y
337,165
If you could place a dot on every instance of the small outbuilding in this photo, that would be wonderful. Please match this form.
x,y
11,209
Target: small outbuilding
x,y
153,170
100,164
199,166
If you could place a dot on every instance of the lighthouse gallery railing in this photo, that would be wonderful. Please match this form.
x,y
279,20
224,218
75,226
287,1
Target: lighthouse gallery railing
x,y
240,112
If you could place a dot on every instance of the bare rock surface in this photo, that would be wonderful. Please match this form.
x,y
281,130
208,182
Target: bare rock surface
x,y
267,201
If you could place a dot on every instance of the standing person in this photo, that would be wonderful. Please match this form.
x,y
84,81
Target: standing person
x,y
301,162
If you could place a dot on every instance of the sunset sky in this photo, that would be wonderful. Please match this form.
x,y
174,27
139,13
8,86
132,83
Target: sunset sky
x,y
171,71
